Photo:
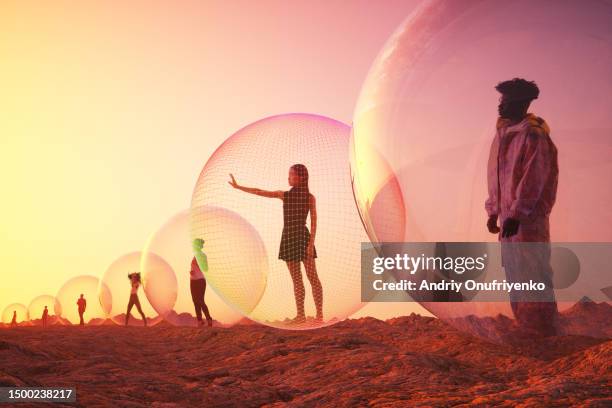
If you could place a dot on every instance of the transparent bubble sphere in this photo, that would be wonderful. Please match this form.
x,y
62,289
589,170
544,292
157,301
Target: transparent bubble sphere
x,y
426,116
69,294
260,156
172,242
37,307
15,309
115,290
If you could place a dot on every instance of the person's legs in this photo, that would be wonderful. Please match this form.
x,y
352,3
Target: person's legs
x,y
204,306
514,255
534,311
298,287
129,309
196,296
82,322
545,311
137,303
315,283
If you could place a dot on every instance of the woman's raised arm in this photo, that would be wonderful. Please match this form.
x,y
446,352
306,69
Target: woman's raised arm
x,y
256,191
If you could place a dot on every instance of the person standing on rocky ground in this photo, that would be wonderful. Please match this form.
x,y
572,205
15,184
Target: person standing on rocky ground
x,y
297,243
135,282
45,315
197,282
522,181
82,305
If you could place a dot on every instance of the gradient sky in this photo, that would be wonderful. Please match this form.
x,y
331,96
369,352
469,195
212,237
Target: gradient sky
x,y
109,110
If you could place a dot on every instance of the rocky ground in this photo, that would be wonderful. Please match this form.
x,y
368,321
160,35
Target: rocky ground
x,y
408,361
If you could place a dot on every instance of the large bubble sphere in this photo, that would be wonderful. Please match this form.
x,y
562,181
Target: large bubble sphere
x,y
426,115
260,156
68,295
15,309
116,289
223,232
37,306
172,241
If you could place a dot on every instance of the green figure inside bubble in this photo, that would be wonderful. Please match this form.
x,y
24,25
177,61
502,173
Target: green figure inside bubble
x,y
197,282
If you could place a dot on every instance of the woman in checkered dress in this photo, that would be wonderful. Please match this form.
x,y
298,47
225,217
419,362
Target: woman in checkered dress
x,y
297,242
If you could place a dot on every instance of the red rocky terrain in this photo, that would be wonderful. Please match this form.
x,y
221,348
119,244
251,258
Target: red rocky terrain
x,y
407,361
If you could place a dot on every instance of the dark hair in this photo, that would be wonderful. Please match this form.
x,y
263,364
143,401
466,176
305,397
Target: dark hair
x,y
137,274
518,89
302,173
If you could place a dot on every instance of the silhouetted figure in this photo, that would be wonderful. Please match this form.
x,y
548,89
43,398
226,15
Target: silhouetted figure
x,y
297,243
82,305
14,320
522,183
197,282
135,282
45,315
